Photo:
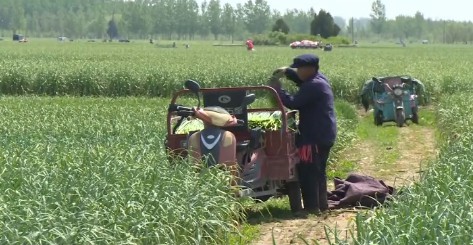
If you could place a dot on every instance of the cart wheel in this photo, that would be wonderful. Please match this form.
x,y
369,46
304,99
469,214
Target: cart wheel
x,y
415,116
400,118
294,194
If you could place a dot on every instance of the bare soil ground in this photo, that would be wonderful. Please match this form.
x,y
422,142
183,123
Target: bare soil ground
x,y
415,145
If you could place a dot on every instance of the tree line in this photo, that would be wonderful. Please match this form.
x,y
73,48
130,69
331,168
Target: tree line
x,y
186,19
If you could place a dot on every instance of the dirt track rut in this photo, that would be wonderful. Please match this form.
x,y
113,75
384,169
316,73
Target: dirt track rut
x,y
416,144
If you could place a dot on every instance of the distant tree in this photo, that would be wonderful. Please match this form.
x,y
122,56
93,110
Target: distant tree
x,y
257,16
405,26
351,26
228,20
112,29
341,22
314,25
214,11
323,25
17,17
298,21
378,16
97,28
335,30
419,24
204,20
281,26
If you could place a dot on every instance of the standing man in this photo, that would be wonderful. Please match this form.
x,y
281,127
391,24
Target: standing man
x,y
317,126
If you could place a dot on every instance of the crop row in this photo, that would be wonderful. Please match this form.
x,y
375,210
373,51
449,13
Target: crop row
x,y
139,70
438,209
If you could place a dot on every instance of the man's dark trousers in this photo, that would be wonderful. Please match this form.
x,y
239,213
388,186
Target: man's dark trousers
x,y
313,179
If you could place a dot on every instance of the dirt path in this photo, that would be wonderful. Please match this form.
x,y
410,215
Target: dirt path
x,y
415,144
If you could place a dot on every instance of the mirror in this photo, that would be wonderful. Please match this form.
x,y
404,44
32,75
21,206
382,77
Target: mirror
x,y
192,86
250,98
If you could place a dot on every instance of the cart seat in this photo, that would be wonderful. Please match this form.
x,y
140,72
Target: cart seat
x,y
391,81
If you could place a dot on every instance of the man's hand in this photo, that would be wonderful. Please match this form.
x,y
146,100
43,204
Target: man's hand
x,y
275,82
280,71
291,74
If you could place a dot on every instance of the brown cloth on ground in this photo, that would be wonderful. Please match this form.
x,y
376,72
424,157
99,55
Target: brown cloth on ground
x,y
358,190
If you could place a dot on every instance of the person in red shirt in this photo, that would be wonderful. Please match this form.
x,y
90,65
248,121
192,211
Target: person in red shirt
x,y
249,45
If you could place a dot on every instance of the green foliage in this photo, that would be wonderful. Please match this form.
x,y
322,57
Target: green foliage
x,y
347,121
257,16
378,16
279,38
271,39
337,40
280,26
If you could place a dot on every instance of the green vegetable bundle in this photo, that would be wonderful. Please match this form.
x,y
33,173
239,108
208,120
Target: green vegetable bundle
x,y
270,121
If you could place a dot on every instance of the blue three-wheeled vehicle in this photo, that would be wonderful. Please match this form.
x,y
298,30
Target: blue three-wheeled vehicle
x,y
394,99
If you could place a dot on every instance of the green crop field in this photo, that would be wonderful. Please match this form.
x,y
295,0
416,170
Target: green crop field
x,y
438,209
122,69
82,132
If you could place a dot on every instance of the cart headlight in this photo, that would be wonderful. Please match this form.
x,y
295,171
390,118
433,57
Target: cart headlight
x,y
398,91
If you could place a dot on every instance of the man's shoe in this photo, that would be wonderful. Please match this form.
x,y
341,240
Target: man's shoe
x,y
300,214
315,211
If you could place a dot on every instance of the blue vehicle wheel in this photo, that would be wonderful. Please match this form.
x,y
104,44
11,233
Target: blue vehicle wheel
x,y
378,118
415,115
400,118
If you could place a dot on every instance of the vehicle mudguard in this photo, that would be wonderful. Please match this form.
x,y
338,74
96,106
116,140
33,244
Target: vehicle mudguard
x,y
213,146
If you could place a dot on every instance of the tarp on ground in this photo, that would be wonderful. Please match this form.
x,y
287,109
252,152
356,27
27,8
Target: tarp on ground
x,y
358,191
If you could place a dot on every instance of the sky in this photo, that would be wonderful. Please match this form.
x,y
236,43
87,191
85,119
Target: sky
x,y
460,10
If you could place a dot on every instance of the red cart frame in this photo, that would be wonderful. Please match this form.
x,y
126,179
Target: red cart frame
x,y
281,152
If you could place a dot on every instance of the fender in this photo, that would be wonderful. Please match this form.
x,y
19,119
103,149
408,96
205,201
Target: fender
x,y
398,103
213,146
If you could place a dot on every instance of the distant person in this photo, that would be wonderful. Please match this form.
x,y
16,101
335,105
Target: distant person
x,y
249,45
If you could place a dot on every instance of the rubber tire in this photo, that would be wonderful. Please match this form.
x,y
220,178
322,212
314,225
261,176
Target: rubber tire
x,y
415,116
262,198
295,197
400,118
378,118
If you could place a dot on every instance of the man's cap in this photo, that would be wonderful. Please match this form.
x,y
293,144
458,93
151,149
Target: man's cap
x,y
305,60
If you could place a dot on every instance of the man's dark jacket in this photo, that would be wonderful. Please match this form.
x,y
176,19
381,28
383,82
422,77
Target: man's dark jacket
x,y
315,102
